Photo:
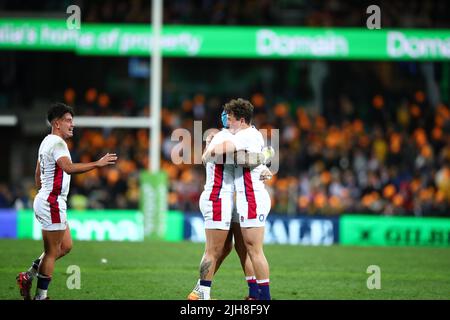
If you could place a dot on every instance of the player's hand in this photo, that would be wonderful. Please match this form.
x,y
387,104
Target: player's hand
x,y
209,138
266,175
268,153
107,159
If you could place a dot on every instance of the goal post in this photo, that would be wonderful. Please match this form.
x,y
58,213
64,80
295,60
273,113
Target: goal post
x,y
153,182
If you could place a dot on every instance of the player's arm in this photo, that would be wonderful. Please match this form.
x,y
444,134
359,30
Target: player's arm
x,y
70,168
254,159
218,150
209,139
37,175
241,157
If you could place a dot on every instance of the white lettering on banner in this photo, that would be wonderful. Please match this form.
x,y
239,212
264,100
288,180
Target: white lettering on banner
x,y
86,40
320,232
327,44
399,45
191,44
294,231
58,36
128,230
197,229
183,41
99,230
315,231
17,35
129,40
37,231
107,40
279,231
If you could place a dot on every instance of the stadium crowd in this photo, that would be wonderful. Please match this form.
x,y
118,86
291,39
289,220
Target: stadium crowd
x,y
393,163
349,13
390,157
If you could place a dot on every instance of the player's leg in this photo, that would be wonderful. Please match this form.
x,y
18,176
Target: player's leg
x,y
42,213
25,279
253,239
228,246
245,261
52,248
227,204
66,244
225,252
217,216
33,270
252,221
215,242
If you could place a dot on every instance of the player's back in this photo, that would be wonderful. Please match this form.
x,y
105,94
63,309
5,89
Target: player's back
x,y
219,176
251,140
53,179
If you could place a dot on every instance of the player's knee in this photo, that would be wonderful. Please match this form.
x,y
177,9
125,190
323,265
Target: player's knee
x,y
213,253
51,252
218,253
65,248
252,247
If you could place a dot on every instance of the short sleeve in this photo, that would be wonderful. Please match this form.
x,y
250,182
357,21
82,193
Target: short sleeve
x,y
60,150
216,139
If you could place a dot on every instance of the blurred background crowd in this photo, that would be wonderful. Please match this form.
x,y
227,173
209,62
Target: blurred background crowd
x,y
354,136
333,13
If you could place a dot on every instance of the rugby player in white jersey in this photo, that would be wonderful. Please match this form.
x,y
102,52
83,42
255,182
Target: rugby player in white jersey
x,y
252,199
217,206
52,177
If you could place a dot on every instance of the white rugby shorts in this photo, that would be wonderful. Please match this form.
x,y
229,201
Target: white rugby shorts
x,y
217,212
253,208
51,213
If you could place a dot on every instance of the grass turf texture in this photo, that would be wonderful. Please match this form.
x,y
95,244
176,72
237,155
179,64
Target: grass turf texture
x,y
168,271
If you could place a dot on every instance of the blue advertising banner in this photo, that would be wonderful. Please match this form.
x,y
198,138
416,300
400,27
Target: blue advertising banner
x,y
8,223
279,229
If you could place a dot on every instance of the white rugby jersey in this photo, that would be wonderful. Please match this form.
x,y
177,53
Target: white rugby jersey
x,y
219,177
54,181
247,180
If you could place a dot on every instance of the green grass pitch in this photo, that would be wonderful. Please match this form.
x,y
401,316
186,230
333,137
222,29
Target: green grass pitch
x,y
154,270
